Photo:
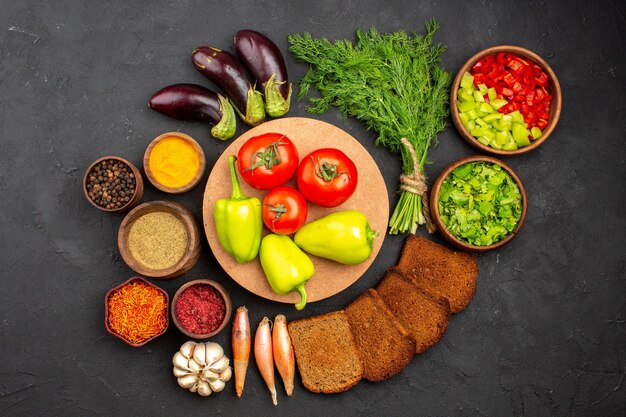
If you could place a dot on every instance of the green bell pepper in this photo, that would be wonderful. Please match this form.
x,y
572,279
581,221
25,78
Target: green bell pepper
x,y
286,267
239,221
345,237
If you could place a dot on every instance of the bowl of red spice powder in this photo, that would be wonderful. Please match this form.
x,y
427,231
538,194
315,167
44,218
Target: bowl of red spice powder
x,y
136,311
201,308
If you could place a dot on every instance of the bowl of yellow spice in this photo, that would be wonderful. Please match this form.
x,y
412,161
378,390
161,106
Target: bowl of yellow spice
x,y
174,162
159,239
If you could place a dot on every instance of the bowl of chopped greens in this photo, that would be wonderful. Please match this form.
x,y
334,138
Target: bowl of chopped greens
x,y
505,100
478,203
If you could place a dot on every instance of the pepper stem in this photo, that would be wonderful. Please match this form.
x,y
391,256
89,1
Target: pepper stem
x,y
237,193
300,290
371,235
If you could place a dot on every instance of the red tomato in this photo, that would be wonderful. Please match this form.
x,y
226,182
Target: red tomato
x,y
267,161
284,210
327,177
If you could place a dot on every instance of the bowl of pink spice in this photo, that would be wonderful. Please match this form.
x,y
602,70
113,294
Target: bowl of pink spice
x,y
201,308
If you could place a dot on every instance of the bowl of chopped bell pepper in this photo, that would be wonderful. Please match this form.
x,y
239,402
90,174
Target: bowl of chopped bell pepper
x,y
478,203
505,100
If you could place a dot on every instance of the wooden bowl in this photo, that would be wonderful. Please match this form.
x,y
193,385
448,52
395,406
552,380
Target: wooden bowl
x,y
106,311
191,254
555,105
138,185
223,293
189,185
434,206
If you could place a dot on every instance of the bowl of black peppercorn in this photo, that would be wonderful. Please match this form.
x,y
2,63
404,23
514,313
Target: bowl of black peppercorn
x,y
113,184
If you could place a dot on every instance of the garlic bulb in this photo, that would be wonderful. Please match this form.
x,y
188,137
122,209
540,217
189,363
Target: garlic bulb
x,y
201,367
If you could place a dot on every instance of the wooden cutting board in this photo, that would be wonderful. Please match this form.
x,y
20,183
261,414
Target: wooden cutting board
x,y
370,197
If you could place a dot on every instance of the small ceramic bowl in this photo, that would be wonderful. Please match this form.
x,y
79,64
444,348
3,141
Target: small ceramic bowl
x,y
191,254
183,188
222,292
555,105
436,217
138,185
106,311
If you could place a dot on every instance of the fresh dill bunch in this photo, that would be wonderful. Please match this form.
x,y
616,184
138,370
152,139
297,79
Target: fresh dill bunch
x,y
393,83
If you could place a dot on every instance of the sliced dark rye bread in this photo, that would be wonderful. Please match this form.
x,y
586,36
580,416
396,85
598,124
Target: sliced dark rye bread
x,y
439,271
383,342
326,353
425,317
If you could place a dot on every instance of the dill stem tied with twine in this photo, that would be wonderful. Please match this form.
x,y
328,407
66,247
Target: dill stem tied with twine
x,y
413,187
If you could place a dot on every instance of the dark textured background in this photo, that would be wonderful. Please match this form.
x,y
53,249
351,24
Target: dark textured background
x,y
545,334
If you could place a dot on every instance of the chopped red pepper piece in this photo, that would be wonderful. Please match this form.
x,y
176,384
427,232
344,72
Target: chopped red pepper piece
x,y
540,94
516,66
494,72
509,79
542,79
502,58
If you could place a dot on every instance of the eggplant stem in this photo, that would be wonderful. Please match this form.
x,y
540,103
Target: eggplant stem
x,y
227,126
275,104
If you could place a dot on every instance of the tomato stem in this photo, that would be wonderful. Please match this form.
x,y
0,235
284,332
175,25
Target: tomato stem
x,y
269,157
325,170
279,209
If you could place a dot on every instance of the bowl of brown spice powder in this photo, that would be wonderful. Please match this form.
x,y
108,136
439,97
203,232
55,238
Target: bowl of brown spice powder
x,y
159,239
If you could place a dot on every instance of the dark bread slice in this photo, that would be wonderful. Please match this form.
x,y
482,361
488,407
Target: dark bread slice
x,y
383,342
326,353
439,271
425,317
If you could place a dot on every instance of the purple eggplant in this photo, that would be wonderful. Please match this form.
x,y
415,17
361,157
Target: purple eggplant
x,y
266,63
194,102
225,70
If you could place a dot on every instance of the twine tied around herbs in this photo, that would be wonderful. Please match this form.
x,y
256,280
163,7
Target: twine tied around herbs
x,y
415,183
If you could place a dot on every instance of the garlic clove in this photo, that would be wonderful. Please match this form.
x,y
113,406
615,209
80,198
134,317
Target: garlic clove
x,y
187,349
204,389
180,372
217,385
226,374
220,365
194,388
188,381
209,375
213,352
199,354
180,361
194,366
